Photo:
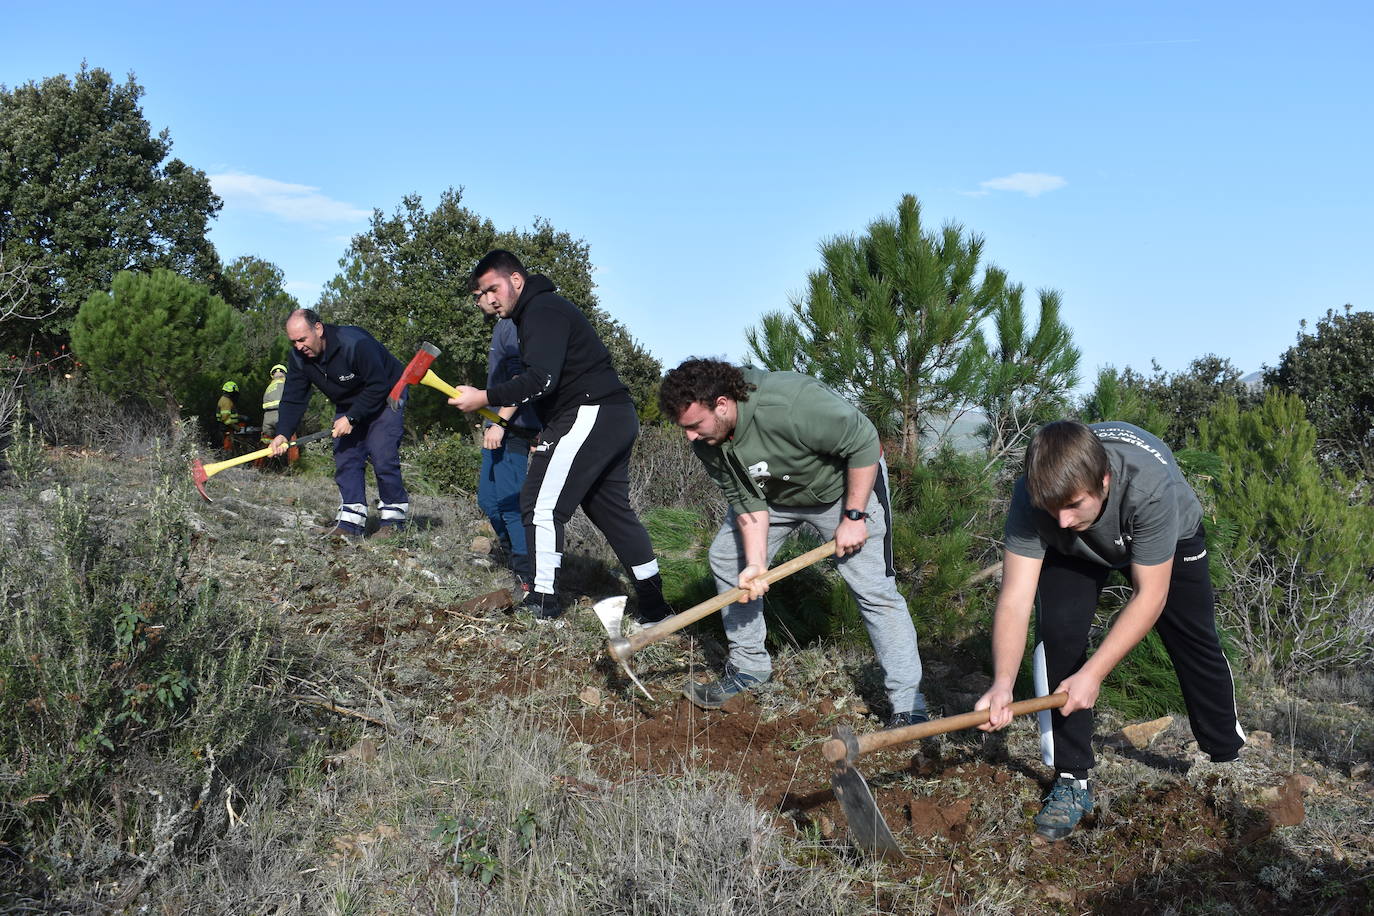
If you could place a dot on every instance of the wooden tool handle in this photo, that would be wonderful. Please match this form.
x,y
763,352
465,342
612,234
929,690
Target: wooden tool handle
x,y
835,749
672,624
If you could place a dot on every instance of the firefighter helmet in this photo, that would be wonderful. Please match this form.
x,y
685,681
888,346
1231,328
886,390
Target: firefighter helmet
x,y
229,387
278,368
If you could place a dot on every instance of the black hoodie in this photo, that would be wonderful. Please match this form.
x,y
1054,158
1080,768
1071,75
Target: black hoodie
x,y
566,364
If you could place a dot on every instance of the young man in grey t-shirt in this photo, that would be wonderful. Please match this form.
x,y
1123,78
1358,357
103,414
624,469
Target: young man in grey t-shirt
x,y
1094,499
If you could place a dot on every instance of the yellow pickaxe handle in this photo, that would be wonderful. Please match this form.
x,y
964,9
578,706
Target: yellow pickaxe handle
x,y
212,469
439,384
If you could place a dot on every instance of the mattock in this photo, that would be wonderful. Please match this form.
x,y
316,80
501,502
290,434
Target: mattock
x,y
867,828
621,648
203,472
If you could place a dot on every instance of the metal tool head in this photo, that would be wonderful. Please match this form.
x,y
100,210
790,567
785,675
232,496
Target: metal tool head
x,y
867,828
611,613
413,372
198,477
618,648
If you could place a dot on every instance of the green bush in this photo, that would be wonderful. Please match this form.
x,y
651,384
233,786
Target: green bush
x,y
121,670
1295,595
446,466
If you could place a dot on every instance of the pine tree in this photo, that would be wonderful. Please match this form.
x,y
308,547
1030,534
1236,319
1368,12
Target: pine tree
x,y
159,338
1029,375
890,321
1298,570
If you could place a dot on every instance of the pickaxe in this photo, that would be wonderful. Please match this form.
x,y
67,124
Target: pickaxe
x,y
621,648
203,472
867,828
418,372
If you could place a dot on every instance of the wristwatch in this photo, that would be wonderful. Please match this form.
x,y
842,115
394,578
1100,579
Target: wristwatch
x,y
854,515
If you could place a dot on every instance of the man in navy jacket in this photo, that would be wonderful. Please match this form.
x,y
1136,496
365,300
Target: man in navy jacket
x,y
356,373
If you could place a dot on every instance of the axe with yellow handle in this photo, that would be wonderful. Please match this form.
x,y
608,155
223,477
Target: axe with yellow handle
x,y
418,372
203,472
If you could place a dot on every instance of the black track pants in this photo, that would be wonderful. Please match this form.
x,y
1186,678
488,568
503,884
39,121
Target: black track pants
x,y
1066,606
582,458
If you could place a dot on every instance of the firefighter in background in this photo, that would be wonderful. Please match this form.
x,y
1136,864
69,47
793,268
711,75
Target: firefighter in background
x,y
271,400
227,413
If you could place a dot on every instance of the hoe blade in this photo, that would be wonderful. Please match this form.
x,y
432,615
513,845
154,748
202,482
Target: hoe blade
x,y
867,829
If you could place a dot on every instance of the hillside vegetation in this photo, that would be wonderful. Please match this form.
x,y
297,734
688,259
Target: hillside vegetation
x,y
211,710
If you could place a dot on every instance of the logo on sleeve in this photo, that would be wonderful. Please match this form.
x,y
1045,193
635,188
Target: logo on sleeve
x,y
759,472
346,378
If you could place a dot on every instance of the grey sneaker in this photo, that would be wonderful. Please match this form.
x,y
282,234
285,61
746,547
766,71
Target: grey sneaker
x,y
903,719
1069,800
715,694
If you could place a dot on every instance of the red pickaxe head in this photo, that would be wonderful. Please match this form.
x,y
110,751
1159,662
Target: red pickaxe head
x,y
413,373
198,477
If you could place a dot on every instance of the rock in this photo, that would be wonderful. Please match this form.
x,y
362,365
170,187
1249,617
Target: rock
x,y
1261,739
499,600
365,750
1056,893
1360,770
1142,734
47,496
590,697
481,545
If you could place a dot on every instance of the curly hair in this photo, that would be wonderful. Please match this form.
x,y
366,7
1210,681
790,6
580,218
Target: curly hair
x,y
700,381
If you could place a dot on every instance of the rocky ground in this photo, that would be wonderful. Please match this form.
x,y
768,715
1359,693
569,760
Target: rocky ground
x,y
426,622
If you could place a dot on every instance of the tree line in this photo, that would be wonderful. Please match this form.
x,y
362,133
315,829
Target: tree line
x,y
104,249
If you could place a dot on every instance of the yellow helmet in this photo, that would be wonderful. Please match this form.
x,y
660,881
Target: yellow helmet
x,y
277,368
229,387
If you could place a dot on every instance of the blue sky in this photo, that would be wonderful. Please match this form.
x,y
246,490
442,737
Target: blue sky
x,y
1192,178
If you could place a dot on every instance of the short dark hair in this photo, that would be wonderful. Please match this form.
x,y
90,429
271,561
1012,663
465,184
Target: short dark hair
x,y
1063,460
700,381
499,260
311,317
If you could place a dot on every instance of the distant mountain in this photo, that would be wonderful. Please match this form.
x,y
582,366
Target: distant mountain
x,y
1254,381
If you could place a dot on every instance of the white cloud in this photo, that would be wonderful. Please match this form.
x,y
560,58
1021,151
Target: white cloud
x,y
1032,184
295,203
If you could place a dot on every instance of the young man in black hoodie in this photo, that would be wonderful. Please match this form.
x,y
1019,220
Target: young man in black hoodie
x,y
582,456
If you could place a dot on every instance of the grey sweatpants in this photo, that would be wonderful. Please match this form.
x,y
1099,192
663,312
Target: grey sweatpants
x,y
868,573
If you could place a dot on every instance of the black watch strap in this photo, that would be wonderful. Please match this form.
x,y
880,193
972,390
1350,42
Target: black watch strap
x,y
854,515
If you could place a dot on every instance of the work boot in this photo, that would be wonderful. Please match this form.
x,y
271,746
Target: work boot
x,y
1068,801
715,694
544,608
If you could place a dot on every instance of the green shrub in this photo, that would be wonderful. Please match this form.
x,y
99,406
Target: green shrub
x,y
946,529
1295,594
446,466
25,453
120,669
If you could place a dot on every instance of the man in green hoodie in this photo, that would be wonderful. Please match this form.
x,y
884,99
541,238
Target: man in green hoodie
x,y
788,452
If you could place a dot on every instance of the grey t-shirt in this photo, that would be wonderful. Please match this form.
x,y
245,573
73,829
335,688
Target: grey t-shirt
x,y
1150,507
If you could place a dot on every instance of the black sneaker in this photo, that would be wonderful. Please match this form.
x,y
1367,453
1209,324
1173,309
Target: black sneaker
x,y
903,719
715,694
650,616
651,605
1066,804
544,608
